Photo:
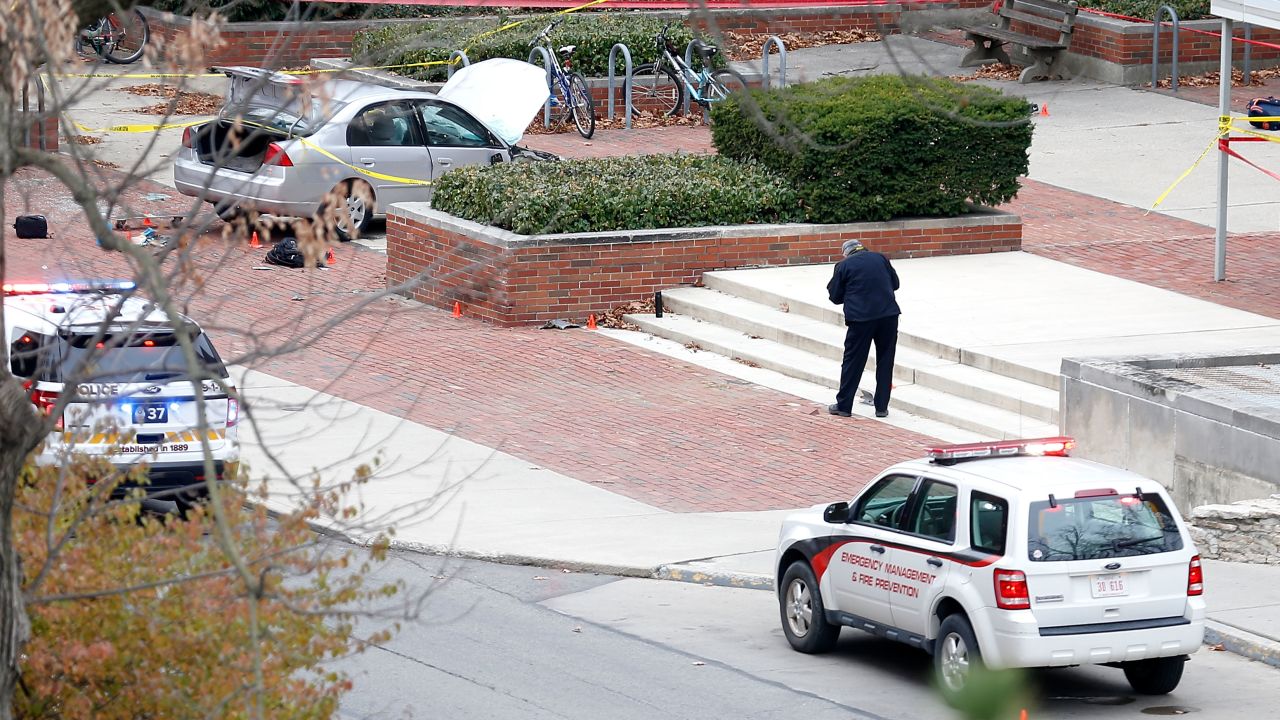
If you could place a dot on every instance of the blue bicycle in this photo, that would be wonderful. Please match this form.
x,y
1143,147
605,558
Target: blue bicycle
x,y
568,89
663,85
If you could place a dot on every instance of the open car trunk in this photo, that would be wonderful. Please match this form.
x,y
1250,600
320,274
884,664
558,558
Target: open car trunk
x,y
260,107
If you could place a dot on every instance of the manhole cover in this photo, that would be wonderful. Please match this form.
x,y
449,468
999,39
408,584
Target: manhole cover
x,y
1169,710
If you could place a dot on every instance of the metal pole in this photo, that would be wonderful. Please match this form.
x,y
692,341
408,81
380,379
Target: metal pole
x,y
1224,111
626,83
546,63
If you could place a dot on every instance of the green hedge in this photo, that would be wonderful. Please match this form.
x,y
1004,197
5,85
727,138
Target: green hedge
x,y
616,193
593,33
1146,9
272,10
875,148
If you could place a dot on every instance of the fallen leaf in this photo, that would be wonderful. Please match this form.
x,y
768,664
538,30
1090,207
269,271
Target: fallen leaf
x,y
1218,647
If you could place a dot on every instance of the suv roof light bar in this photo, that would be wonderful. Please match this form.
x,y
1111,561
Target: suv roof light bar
x,y
91,286
949,454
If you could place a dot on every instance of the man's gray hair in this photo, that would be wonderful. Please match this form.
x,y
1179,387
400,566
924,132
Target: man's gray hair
x,y
850,247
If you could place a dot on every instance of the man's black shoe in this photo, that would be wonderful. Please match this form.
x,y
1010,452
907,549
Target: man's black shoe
x,y
882,413
837,411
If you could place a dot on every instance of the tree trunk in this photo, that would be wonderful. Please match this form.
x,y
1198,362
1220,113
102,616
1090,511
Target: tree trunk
x,y
18,434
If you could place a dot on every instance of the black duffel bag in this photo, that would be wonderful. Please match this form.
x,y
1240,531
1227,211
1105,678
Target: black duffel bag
x,y
1265,107
31,226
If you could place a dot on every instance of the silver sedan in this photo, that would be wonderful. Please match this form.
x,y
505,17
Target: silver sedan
x,y
282,144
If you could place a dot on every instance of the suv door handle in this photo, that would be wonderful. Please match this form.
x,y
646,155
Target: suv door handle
x,y
445,162
367,161
877,548
934,562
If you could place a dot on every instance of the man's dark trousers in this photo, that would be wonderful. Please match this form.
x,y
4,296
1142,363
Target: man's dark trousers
x,y
857,344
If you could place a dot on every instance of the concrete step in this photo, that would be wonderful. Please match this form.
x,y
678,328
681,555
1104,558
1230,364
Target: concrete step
x,y
825,339
813,304
965,414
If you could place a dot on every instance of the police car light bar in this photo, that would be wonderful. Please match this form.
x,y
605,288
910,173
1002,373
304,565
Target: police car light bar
x,y
97,286
1055,446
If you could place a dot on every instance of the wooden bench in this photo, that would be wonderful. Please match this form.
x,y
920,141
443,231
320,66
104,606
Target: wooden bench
x,y
1052,16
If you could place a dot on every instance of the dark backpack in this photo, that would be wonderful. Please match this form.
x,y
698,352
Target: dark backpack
x,y
31,226
286,253
1265,107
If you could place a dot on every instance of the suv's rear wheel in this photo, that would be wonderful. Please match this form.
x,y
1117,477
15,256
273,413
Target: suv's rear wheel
x,y
1158,676
955,657
804,619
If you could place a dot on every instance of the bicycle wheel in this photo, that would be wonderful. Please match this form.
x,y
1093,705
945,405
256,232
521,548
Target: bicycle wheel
x,y
655,89
581,105
723,84
125,38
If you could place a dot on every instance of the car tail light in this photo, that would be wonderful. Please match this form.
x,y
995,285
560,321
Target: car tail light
x,y
1011,590
46,401
276,156
233,412
188,138
1195,577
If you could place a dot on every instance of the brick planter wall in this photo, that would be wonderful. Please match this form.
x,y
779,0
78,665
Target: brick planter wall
x,y
291,44
45,130
511,279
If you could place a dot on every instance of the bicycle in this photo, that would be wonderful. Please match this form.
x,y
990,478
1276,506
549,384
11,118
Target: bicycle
x,y
666,82
574,95
118,39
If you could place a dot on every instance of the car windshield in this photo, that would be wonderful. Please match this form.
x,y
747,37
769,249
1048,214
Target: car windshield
x,y
1094,528
141,357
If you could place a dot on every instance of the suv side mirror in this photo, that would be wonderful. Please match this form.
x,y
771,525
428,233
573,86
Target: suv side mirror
x,y
836,513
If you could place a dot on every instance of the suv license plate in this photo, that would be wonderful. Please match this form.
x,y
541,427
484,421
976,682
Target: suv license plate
x,y
1108,585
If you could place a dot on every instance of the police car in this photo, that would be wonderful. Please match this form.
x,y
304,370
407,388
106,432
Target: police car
x,y
108,365
1004,554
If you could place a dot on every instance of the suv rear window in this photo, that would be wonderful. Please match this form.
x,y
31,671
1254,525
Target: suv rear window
x,y
142,357
1110,526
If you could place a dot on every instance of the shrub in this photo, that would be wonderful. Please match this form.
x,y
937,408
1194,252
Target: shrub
x,y
272,10
868,149
617,193
1146,9
594,34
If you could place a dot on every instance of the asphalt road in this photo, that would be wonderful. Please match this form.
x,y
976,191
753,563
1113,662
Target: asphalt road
x,y
496,641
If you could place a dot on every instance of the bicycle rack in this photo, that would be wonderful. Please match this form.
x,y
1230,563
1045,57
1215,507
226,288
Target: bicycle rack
x,y
457,55
774,41
688,61
546,63
1248,46
26,112
1155,48
626,57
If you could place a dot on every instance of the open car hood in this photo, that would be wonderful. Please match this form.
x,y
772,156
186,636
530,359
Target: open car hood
x,y
502,93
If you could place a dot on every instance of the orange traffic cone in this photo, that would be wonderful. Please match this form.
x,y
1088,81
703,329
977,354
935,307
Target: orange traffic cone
x,y
457,309
1044,109
254,242
1022,715
591,322
330,257
146,221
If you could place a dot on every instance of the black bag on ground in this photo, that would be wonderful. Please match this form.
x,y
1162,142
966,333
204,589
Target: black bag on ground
x,y
1265,107
286,254
31,226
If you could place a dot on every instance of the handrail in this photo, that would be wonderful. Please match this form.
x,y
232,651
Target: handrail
x,y
1155,48
626,57
546,63
457,54
774,41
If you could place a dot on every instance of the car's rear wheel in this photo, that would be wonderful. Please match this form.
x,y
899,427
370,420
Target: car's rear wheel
x,y
804,618
1158,676
354,209
955,657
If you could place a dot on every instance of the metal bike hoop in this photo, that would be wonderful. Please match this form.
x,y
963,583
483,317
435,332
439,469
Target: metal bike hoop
x,y
1155,48
456,55
774,41
26,112
626,83
1248,47
546,63
688,62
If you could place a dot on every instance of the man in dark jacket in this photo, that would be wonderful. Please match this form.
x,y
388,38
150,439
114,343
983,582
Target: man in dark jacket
x,y
864,283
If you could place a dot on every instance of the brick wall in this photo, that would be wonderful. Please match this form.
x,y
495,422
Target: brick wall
x,y
510,279
291,44
45,130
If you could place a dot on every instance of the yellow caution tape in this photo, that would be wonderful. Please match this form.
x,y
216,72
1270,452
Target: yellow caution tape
x,y
319,71
1224,127
136,128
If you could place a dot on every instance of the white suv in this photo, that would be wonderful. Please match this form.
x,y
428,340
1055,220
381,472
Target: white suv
x,y
108,364
1005,554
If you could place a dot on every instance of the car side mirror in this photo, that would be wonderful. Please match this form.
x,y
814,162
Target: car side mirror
x,y
836,513
495,158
